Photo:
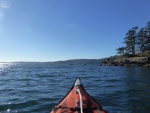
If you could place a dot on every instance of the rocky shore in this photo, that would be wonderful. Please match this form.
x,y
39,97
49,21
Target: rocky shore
x,y
126,61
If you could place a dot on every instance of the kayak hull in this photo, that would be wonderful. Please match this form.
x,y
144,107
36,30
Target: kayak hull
x,y
71,102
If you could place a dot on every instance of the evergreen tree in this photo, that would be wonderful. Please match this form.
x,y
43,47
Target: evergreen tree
x,y
141,43
147,36
120,50
147,28
130,41
136,42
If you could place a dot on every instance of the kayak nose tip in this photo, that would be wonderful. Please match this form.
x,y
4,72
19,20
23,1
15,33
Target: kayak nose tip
x,y
77,82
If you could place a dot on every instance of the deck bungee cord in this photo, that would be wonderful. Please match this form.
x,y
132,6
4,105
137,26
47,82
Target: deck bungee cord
x,y
81,103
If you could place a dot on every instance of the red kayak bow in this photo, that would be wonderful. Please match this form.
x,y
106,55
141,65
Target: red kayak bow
x,y
78,101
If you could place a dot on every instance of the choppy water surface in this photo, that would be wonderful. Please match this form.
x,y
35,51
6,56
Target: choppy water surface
x,y
37,87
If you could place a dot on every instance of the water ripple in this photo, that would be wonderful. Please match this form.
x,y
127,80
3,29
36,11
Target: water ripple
x,y
37,87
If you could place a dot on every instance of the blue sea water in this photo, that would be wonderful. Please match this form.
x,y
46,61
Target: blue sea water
x,y
37,87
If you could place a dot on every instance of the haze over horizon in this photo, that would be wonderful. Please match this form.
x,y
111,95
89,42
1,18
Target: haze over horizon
x,y
53,30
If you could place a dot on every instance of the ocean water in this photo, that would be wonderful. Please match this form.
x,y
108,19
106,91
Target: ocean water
x,y
37,87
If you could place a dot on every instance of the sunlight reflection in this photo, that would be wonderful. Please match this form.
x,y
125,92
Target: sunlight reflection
x,y
4,66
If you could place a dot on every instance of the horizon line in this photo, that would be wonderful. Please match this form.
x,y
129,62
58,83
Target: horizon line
x,y
49,61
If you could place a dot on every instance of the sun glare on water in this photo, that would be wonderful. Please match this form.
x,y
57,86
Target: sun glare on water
x,y
4,67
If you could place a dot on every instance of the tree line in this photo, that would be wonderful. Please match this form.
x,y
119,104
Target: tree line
x,y
137,42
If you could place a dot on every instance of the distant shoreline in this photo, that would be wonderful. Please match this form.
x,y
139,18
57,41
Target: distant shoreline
x,y
71,61
118,60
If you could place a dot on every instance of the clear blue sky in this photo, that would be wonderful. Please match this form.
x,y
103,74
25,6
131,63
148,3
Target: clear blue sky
x,y
51,30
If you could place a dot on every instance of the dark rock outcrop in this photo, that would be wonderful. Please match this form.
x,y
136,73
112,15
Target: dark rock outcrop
x,y
126,61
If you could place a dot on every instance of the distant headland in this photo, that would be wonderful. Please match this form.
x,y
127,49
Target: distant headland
x,y
126,60
135,50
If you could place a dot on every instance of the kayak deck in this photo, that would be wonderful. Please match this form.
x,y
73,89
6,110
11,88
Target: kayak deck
x,y
78,101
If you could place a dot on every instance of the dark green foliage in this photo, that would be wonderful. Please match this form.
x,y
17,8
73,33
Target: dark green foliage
x,y
141,43
136,42
130,41
147,36
120,50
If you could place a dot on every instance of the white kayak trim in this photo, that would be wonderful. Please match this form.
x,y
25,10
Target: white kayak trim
x,y
78,82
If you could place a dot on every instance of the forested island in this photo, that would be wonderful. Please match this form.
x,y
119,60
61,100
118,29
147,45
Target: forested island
x,y
135,50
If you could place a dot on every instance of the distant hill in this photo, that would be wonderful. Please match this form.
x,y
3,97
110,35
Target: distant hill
x,y
80,61
67,62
